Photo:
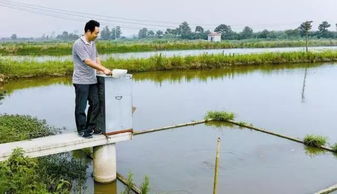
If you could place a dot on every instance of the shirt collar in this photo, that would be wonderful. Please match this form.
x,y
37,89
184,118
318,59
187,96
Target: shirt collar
x,y
85,41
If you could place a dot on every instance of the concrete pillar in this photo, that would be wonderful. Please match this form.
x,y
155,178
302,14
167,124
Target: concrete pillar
x,y
105,163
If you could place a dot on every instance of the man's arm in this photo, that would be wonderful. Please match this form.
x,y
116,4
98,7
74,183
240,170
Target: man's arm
x,y
98,61
97,65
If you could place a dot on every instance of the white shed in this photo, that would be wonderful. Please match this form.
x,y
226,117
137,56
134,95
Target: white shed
x,y
214,37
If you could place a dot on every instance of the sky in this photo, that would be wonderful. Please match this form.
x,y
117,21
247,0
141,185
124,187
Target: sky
x,y
34,18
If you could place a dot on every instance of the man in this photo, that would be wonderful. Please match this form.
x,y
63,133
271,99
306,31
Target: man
x,y
86,62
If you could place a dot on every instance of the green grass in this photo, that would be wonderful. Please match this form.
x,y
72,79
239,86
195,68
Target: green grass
x,y
219,116
23,69
104,47
315,140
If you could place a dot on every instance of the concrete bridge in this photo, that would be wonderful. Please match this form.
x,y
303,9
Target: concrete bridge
x,y
104,150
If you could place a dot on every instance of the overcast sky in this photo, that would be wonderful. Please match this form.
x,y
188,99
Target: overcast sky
x,y
132,15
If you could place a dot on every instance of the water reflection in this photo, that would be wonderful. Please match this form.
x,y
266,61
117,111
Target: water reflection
x,y
219,124
110,188
2,95
177,76
210,74
312,151
303,86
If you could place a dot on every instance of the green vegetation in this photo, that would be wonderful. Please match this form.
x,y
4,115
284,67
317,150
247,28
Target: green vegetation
x,y
51,174
315,140
104,47
144,189
16,128
16,69
19,174
219,116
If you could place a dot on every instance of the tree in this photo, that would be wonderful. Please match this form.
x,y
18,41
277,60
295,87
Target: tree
x,y
142,33
304,28
323,29
67,36
118,32
199,29
226,31
106,33
115,33
184,30
246,33
14,37
150,33
263,34
159,33
292,33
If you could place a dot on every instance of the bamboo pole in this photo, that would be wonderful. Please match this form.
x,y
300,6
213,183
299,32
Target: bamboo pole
x,y
216,168
169,127
125,181
328,190
275,134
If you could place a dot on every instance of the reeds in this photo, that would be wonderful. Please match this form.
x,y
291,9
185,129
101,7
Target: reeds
x,y
104,47
18,69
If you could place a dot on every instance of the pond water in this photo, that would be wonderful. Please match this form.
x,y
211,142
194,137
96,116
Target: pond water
x,y
294,100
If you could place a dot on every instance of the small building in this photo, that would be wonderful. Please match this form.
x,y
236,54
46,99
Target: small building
x,y
214,37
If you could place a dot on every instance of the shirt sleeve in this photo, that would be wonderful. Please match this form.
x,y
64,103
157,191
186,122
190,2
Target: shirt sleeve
x,y
81,52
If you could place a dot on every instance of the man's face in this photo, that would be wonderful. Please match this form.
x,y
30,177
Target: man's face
x,y
93,35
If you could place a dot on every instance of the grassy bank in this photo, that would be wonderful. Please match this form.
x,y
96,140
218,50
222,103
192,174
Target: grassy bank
x,y
51,174
104,47
15,69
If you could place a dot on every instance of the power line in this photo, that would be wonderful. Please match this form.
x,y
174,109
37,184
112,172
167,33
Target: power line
x,y
77,15
65,17
99,15
28,7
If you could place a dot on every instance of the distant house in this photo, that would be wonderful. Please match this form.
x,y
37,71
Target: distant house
x,y
214,37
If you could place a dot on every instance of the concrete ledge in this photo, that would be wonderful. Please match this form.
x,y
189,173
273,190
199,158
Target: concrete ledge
x,y
59,143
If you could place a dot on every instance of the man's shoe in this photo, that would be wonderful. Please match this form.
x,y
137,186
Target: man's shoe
x,y
80,133
87,135
97,132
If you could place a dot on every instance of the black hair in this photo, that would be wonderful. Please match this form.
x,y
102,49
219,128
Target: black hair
x,y
90,25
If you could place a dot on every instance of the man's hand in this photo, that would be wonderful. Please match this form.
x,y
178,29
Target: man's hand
x,y
107,71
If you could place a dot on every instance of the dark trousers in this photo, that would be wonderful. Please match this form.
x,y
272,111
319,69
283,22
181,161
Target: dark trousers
x,y
85,93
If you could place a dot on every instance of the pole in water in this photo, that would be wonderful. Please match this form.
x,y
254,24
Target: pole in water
x,y
217,157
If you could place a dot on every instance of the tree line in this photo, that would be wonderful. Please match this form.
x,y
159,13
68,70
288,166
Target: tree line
x,y
184,31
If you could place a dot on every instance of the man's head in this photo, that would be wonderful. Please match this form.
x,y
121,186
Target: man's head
x,y
91,30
